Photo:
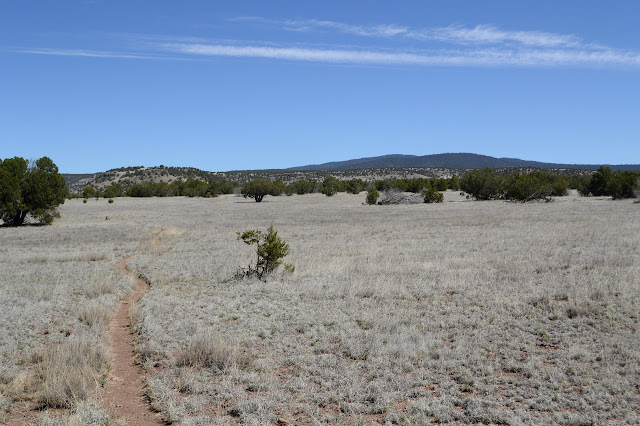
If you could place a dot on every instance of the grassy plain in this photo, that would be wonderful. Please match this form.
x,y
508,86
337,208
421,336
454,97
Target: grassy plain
x,y
461,312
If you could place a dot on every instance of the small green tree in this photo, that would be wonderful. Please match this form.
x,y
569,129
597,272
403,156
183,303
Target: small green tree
x,y
259,188
623,184
270,250
372,196
88,192
454,183
432,195
113,190
482,184
600,180
30,188
329,186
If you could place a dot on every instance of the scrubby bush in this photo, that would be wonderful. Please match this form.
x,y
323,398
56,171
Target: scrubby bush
x,y
259,188
619,184
301,187
600,181
372,196
454,183
270,250
217,187
623,184
482,184
355,186
113,190
432,195
194,188
382,185
534,186
329,186
88,192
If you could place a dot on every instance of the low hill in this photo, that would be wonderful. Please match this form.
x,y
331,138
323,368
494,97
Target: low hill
x,y
127,176
386,167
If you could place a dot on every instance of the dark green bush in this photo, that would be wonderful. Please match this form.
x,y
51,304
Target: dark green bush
x,y
355,186
432,195
536,185
623,184
600,181
301,187
329,186
259,188
372,196
482,184
88,192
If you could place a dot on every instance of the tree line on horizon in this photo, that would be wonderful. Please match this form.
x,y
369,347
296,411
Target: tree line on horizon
x,y
36,188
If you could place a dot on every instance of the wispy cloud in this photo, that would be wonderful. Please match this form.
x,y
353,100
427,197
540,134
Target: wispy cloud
x,y
394,45
449,57
95,54
480,34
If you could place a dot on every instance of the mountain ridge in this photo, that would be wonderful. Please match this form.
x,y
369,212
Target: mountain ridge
x,y
461,160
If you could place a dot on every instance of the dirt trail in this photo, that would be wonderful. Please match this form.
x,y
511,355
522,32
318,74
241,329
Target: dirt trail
x,y
123,395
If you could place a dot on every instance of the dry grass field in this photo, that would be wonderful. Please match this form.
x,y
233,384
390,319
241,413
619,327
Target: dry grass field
x,y
461,312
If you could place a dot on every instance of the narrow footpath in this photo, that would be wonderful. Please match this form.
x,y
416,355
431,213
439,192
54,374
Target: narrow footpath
x,y
123,395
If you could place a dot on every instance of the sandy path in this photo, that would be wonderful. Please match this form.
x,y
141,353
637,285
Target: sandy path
x,y
123,395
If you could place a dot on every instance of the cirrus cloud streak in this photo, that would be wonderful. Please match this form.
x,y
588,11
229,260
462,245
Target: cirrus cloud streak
x,y
457,57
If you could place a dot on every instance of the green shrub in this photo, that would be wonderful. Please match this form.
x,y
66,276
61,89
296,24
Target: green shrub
x,y
259,188
270,250
355,186
482,184
619,184
600,181
84,201
454,183
534,186
623,184
329,186
432,195
89,192
372,196
110,201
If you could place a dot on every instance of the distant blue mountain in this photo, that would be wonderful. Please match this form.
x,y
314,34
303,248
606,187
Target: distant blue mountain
x,y
451,161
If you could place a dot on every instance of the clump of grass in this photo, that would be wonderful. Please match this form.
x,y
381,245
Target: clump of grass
x,y
89,413
207,349
6,405
164,399
95,313
71,372
98,288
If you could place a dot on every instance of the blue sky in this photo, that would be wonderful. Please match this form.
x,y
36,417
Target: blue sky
x,y
272,84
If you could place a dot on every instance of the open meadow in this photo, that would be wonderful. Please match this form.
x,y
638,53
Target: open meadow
x,y
464,312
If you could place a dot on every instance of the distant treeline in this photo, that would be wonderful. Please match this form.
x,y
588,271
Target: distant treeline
x,y
486,184
188,188
480,184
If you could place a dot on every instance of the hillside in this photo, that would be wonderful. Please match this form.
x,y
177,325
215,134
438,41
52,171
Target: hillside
x,y
385,167
450,161
127,176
